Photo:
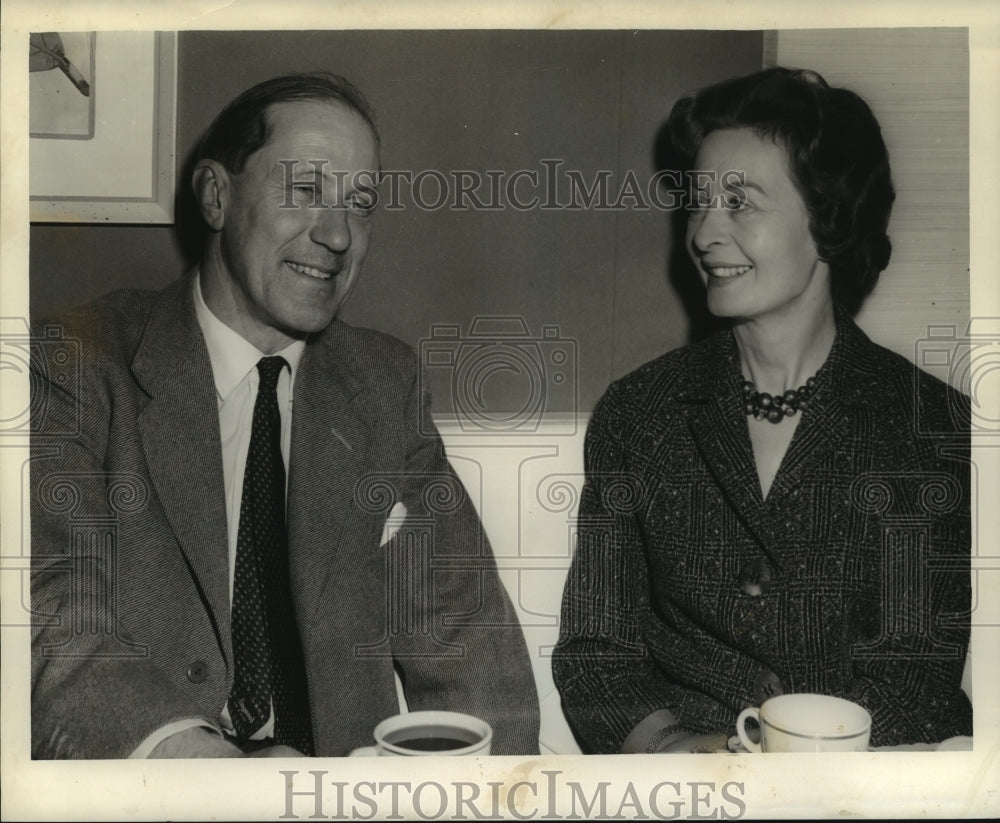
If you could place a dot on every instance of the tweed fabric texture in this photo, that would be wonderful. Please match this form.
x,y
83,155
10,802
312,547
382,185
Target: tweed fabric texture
x,y
130,557
863,546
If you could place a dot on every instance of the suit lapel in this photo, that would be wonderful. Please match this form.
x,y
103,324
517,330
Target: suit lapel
x,y
329,452
180,438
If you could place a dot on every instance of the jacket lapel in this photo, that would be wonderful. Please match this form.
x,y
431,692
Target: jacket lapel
x,y
179,428
851,387
329,453
719,429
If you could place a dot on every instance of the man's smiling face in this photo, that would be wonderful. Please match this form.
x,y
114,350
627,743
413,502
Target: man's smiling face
x,y
295,224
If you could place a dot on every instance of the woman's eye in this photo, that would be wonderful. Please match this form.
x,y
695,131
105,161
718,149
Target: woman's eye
x,y
700,201
735,201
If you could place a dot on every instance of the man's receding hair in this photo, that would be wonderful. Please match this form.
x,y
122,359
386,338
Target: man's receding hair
x,y
243,126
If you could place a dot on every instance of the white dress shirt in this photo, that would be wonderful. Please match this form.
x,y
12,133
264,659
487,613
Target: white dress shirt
x,y
234,370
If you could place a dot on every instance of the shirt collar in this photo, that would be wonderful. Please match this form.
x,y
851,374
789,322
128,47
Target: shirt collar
x,y
233,356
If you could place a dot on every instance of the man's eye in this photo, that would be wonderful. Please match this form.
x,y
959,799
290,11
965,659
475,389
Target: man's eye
x,y
362,205
305,191
306,194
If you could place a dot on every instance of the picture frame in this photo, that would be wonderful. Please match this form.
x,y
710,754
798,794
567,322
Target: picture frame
x,y
125,172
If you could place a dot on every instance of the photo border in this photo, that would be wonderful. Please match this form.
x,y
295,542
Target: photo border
x,y
908,784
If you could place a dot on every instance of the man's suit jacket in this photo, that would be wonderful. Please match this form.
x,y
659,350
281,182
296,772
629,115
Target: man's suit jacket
x,y
130,588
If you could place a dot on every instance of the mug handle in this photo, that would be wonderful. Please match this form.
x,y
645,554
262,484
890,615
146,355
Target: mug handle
x,y
748,744
364,751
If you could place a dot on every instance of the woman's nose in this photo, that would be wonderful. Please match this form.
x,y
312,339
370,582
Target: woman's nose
x,y
708,226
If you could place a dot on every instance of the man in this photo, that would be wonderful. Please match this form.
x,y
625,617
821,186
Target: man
x,y
239,534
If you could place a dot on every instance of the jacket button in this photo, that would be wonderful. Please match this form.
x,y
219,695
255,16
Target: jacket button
x,y
767,685
755,577
197,671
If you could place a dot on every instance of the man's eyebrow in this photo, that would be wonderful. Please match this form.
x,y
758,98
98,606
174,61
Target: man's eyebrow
x,y
293,171
299,168
290,170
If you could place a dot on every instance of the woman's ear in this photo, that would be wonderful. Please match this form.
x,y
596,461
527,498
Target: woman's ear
x,y
211,185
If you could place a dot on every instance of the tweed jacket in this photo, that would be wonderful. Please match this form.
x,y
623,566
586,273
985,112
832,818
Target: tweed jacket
x,y
130,588
690,597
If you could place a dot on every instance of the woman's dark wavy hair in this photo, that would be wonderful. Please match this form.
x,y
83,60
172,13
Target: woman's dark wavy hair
x,y
243,126
836,158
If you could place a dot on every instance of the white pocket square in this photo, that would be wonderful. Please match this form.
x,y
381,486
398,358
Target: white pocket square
x,y
393,523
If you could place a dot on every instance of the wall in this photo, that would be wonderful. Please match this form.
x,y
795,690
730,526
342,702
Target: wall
x,y
611,281
464,100
917,82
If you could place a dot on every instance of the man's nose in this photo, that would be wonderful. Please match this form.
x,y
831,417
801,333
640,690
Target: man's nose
x,y
331,228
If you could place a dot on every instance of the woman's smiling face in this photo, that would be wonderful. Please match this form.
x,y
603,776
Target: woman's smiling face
x,y
754,252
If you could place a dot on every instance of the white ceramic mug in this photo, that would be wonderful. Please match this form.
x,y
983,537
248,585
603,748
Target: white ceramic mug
x,y
807,723
429,733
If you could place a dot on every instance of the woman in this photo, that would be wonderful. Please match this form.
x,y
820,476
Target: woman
x,y
762,513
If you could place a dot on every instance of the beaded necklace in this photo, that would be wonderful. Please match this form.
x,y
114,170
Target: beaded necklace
x,y
775,409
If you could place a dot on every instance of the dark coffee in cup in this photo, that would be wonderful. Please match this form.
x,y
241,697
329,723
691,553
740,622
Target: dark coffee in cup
x,y
430,732
432,738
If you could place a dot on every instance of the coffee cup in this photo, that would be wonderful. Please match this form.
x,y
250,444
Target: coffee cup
x,y
807,723
429,733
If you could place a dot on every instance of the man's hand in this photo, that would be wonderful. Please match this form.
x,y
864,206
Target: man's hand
x,y
196,742
698,744
275,751
200,742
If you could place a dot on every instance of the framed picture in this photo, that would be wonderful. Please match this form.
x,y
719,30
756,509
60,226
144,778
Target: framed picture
x,y
102,114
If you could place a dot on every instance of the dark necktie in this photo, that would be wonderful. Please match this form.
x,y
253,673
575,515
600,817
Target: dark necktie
x,y
266,644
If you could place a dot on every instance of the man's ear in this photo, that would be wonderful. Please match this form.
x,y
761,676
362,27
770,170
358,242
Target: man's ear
x,y
211,189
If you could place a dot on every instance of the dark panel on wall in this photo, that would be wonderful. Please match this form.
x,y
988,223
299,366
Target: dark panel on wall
x,y
588,103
